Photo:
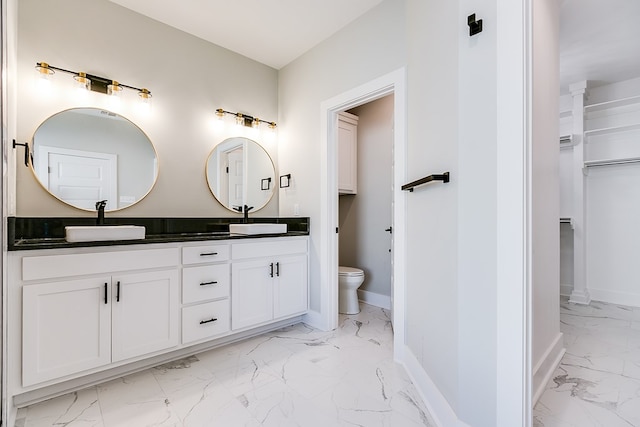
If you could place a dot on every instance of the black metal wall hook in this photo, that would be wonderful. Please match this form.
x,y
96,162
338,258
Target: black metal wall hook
x,y
475,26
27,154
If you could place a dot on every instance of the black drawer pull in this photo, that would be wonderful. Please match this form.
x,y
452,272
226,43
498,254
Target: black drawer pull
x,y
202,322
106,297
278,269
118,292
208,283
271,270
209,254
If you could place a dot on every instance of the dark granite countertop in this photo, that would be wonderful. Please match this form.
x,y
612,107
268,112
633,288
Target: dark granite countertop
x,y
48,233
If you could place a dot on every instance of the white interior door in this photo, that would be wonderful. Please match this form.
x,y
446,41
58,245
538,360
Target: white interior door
x,y
235,160
79,177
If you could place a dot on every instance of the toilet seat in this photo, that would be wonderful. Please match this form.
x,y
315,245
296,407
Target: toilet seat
x,y
349,271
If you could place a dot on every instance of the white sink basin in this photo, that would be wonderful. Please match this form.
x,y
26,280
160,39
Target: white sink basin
x,y
257,229
95,233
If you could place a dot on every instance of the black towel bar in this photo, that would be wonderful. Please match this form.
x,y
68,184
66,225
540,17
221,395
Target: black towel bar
x,y
444,178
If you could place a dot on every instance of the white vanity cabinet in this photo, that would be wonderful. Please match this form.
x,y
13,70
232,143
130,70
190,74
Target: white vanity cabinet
x,y
72,324
206,281
270,281
66,328
79,316
347,153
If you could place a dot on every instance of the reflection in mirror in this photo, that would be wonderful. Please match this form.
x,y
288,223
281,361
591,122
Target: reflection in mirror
x,y
84,155
240,172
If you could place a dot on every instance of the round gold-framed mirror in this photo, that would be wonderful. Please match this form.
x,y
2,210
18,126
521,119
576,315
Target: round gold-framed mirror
x,y
85,155
240,172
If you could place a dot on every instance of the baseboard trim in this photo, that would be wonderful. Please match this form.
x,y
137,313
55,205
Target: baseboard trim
x,y
566,289
437,404
615,297
315,320
544,369
378,300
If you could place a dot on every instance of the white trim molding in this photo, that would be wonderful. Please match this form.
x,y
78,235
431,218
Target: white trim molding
x,y
547,365
391,83
372,298
438,406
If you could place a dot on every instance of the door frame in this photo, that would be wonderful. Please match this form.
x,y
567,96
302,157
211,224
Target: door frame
x,y
391,83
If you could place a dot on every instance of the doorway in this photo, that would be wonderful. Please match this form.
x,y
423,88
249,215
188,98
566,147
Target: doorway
x,y
365,202
392,83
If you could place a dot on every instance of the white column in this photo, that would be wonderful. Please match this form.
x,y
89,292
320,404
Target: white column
x,y
580,294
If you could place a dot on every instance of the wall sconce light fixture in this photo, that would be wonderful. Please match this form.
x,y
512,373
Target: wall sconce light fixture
x,y
285,180
92,82
245,119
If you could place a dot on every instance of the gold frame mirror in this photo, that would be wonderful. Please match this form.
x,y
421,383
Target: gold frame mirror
x,y
240,172
84,155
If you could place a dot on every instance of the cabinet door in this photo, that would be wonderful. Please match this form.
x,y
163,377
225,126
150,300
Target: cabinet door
x,y
290,286
145,313
66,328
347,157
251,293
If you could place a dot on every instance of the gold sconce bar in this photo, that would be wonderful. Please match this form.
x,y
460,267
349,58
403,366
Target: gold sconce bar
x,y
91,81
245,119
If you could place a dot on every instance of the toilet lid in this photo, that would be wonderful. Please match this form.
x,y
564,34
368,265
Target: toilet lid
x,y
350,271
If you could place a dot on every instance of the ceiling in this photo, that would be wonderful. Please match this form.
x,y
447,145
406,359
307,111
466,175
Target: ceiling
x,y
271,32
599,39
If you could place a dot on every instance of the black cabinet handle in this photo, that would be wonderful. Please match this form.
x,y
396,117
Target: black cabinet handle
x,y
106,296
208,283
271,270
209,254
278,269
202,322
118,292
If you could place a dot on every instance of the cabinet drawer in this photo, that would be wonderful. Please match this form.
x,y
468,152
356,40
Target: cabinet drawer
x,y
198,320
205,282
205,253
269,249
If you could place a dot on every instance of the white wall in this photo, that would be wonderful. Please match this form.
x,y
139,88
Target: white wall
x,y
355,55
547,339
363,217
189,79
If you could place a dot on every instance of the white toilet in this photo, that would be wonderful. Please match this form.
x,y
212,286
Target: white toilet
x,y
349,280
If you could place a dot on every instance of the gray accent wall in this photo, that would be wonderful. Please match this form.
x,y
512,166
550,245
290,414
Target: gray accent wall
x,y
188,77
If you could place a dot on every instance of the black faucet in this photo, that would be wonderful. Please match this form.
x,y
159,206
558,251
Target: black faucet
x,y
100,208
246,210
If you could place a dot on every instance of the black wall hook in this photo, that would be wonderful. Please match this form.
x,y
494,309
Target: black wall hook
x,y
475,27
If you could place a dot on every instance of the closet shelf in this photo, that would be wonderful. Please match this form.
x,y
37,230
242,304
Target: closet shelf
x,y
614,129
611,162
612,104
566,141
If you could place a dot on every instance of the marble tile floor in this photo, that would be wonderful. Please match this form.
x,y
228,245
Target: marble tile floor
x,y
598,380
296,376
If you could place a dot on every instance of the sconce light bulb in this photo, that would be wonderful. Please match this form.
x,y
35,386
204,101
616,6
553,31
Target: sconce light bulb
x,y
255,123
220,113
114,89
145,96
239,119
44,71
82,81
